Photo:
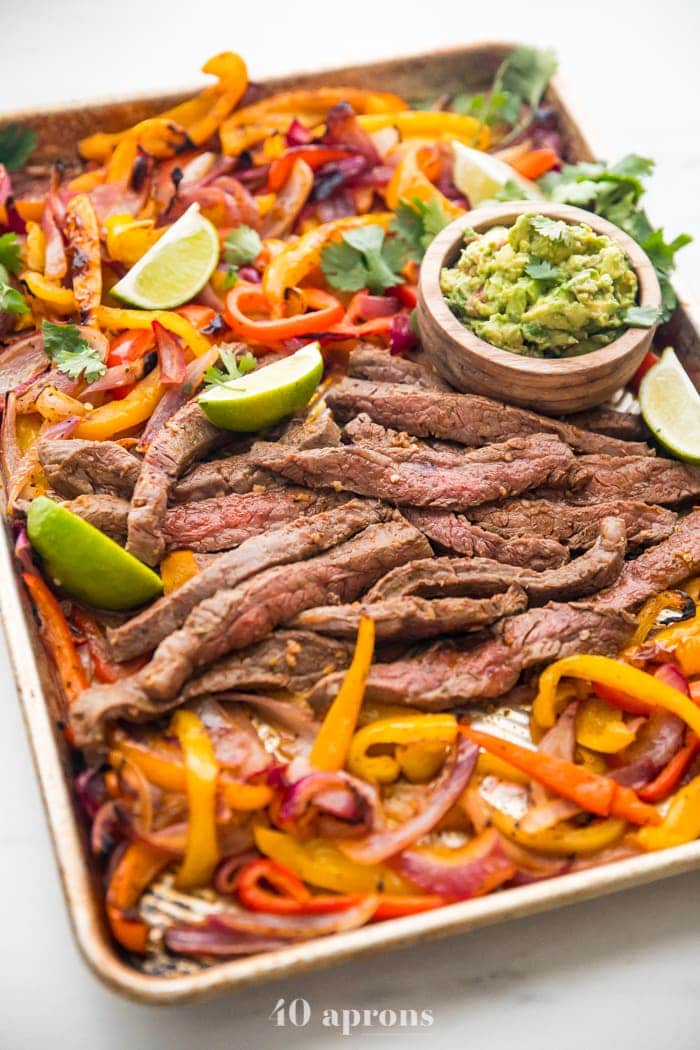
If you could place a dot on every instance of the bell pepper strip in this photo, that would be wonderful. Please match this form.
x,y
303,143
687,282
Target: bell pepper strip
x,y
287,896
176,569
314,155
600,727
157,135
681,823
200,317
590,791
389,732
84,238
320,863
57,636
682,640
60,299
201,773
104,668
415,123
420,762
119,415
409,182
535,163
648,615
136,870
492,765
34,252
333,740
648,362
564,838
392,906
129,239
291,265
313,105
117,319
630,704
668,778
613,674
325,311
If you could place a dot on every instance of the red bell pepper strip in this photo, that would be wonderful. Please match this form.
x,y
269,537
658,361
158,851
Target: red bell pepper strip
x,y
105,669
407,294
536,162
394,905
288,895
616,698
128,347
58,637
669,777
200,317
314,156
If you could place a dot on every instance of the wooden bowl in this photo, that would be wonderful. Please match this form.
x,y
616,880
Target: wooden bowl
x,y
555,386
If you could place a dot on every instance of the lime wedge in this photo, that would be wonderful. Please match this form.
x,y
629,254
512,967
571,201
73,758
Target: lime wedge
x,y
670,406
480,176
85,563
261,398
175,268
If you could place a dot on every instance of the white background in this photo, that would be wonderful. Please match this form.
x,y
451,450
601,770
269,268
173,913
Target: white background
x,y
619,972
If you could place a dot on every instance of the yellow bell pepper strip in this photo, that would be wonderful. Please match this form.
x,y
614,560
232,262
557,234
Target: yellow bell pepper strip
x,y
57,636
137,868
87,181
201,771
564,838
649,613
597,794
615,675
389,732
409,182
83,236
34,253
244,298
116,319
60,299
332,743
320,863
491,765
682,640
600,727
296,261
202,116
176,569
681,823
128,239
131,411
422,761
416,123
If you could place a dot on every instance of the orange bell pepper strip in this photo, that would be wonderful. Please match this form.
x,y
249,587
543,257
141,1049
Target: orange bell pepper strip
x,y
176,569
84,238
535,162
681,823
200,317
668,778
394,906
325,312
288,895
57,636
590,791
410,182
119,415
616,698
332,744
137,867
201,773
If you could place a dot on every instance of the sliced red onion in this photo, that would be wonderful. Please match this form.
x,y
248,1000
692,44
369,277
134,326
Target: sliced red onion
x,y
118,375
291,716
402,338
656,744
14,223
91,791
532,866
484,866
446,789
236,743
107,829
294,927
207,940
62,428
250,274
175,398
560,740
10,453
52,217
5,185
343,129
171,355
378,177
547,814
671,675
224,878
336,174
337,794
23,552
297,134
371,306
21,361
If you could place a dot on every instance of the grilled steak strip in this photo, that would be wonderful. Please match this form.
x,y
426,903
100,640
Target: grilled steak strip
x,y
366,362
505,471
458,535
364,431
291,660
651,480
105,512
467,418
414,618
576,526
183,439
628,426
441,577
666,565
449,674
74,467
235,618
301,539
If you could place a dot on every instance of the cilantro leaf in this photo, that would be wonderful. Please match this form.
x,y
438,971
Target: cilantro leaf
x,y
10,252
363,259
525,73
641,316
17,142
416,223
71,352
11,301
234,368
242,246
551,229
541,269
499,106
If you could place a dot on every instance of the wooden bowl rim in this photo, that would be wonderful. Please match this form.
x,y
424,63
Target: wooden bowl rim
x,y
443,250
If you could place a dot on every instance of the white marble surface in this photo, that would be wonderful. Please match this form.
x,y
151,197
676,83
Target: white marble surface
x,y
619,972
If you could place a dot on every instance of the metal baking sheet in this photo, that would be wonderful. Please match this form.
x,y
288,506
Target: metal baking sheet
x,y
457,69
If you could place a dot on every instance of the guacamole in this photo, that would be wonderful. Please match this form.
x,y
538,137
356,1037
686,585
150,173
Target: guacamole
x,y
543,288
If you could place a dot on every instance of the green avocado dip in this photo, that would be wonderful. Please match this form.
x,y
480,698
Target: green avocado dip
x,y
543,288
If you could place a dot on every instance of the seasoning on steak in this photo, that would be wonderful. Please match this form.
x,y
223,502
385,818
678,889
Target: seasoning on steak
x,y
628,426
303,538
237,617
414,618
74,467
664,481
452,673
107,513
469,419
502,471
441,577
402,446
666,565
576,526
183,439
367,362
456,534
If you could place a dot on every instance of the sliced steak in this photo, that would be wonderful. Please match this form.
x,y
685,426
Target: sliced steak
x,y
505,471
183,439
290,660
235,618
666,565
651,480
414,618
467,418
403,447
456,534
449,674
105,512
441,577
367,362
628,426
304,538
74,467
314,431
220,477
576,526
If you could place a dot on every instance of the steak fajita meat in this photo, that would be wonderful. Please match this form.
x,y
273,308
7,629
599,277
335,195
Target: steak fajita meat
x,y
367,362
504,471
628,426
105,512
179,442
235,618
74,467
650,480
303,538
442,577
413,618
469,419
452,673
666,565
576,526
405,448
290,660
456,534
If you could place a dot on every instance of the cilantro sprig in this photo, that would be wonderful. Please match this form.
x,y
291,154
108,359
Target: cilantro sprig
x,y
235,367
10,256
17,143
11,301
71,352
364,258
417,222
521,78
242,247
